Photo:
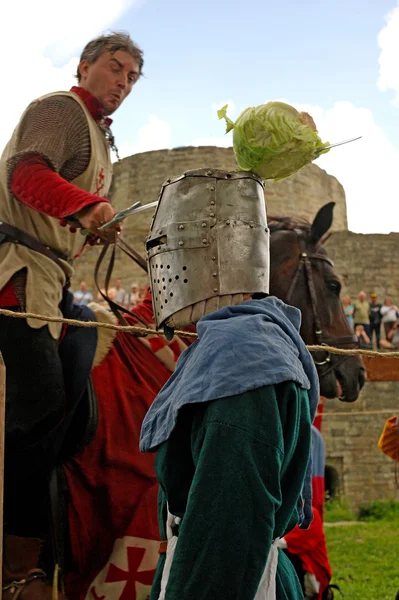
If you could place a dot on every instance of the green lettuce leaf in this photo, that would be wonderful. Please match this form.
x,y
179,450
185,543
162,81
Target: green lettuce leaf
x,y
272,141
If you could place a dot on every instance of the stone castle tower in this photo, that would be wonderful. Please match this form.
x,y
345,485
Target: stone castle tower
x,y
139,178
369,262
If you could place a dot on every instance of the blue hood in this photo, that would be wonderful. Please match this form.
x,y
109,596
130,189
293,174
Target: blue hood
x,y
239,348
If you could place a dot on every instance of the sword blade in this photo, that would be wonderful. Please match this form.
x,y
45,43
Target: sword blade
x,y
339,144
137,207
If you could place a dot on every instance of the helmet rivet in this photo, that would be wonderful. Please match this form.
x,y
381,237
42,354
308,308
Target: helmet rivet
x,y
160,231
203,224
212,214
228,222
251,224
204,241
181,243
212,202
181,226
215,289
212,188
209,172
213,257
214,274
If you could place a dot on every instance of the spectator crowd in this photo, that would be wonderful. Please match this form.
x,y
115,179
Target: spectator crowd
x,y
126,298
367,317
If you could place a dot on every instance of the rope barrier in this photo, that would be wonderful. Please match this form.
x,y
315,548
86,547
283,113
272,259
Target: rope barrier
x,y
385,411
76,323
187,334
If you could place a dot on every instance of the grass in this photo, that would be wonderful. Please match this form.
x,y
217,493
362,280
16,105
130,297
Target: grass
x,y
338,510
364,555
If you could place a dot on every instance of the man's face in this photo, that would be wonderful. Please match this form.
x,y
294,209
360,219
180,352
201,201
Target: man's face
x,y
83,286
118,284
373,299
362,296
110,79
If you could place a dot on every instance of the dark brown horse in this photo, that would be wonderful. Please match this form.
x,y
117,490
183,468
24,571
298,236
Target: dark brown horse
x,y
302,275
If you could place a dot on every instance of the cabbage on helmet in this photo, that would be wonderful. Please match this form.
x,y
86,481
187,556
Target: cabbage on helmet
x,y
274,140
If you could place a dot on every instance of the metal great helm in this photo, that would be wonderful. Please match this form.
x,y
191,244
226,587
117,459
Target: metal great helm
x,y
208,238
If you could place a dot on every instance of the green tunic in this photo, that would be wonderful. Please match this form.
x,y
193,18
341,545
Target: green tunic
x,y
232,470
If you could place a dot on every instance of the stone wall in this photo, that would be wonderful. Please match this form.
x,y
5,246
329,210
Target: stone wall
x,y
366,261
369,262
365,473
139,177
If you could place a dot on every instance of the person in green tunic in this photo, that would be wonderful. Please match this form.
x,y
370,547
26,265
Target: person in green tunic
x,y
232,426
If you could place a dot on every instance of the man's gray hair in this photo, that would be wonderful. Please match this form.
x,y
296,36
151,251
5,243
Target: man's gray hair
x,y
112,42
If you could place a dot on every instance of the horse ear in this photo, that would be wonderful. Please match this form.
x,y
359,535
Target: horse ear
x,y
322,222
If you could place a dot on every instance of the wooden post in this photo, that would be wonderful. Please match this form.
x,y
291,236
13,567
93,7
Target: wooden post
x,y
2,426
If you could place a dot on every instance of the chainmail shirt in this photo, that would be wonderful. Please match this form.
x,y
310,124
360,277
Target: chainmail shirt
x,y
57,130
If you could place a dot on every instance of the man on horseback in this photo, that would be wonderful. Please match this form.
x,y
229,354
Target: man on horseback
x,y
54,180
232,426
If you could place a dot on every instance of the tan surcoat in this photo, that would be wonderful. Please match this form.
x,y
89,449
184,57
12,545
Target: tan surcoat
x,y
45,278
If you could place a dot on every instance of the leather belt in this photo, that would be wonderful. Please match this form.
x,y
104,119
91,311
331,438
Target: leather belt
x,y
9,233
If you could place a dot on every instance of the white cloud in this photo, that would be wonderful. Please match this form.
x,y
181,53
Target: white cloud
x,y
366,168
40,43
154,135
388,41
222,142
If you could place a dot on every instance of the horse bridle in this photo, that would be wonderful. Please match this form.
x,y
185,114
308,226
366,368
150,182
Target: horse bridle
x,y
305,264
112,242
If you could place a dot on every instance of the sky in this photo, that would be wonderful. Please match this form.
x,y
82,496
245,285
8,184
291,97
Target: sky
x,y
336,59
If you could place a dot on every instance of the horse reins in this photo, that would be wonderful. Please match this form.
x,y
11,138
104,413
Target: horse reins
x,y
116,308
305,265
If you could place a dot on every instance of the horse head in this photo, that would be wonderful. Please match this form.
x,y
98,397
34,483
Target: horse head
x,y
302,275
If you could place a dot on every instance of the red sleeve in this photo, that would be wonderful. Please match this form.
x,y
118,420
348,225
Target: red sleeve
x,y
35,184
